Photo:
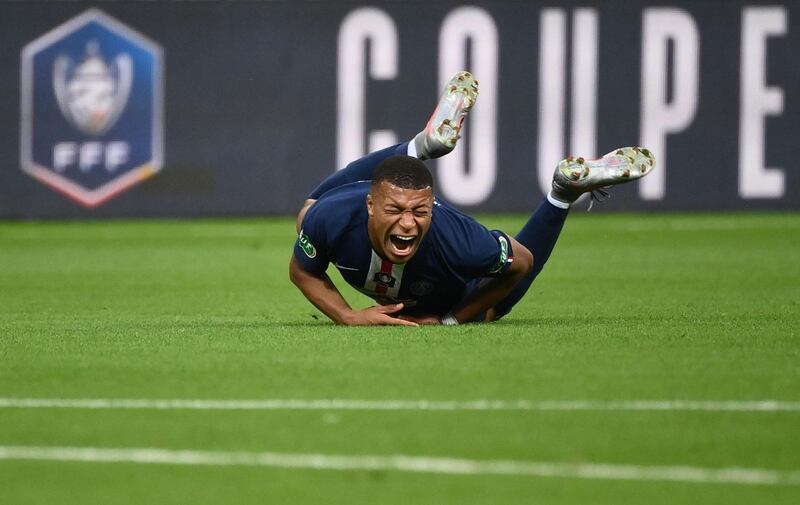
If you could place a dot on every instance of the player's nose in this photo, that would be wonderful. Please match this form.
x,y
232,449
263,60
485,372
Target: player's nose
x,y
407,220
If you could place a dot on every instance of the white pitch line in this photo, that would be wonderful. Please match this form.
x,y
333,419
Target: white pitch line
x,y
410,405
403,463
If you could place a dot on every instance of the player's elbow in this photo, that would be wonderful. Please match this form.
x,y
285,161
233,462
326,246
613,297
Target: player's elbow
x,y
523,259
295,272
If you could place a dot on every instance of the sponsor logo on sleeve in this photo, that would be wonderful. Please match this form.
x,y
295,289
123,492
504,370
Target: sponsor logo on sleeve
x,y
91,95
503,259
306,245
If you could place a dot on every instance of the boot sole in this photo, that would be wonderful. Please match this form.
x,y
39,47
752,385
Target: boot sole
x,y
624,164
457,99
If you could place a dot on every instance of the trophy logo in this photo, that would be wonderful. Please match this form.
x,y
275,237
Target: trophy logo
x,y
92,121
92,93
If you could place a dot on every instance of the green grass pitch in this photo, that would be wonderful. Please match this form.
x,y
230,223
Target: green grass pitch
x,y
630,307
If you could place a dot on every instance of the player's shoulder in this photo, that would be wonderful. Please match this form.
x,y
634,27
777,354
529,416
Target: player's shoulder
x,y
449,221
338,209
464,243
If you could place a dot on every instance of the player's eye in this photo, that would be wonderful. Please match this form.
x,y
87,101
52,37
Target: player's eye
x,y
422,212
393,210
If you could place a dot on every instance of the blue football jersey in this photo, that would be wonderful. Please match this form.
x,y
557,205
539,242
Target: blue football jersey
x,y
456,251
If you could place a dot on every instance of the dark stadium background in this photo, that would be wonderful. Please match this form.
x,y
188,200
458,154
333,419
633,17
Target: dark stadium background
x,y
252,88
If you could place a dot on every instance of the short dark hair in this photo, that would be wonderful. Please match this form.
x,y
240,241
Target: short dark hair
x,y
405,172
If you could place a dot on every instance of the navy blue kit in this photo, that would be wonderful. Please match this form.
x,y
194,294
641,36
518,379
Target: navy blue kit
x,y
455,251
453,257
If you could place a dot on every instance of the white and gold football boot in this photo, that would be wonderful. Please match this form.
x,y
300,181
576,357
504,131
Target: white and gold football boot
x,y
444,127
576,176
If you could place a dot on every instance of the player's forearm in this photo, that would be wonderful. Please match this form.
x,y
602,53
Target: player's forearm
x,y
494,290
485,297
321,292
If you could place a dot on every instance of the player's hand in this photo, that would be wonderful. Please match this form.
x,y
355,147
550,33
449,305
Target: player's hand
x,y
378,315
423,319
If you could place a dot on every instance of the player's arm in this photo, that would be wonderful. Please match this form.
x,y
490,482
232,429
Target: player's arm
x,y
310,278
494,289
323,294
302,214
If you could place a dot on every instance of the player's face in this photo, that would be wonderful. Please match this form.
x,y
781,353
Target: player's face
x,y
398,219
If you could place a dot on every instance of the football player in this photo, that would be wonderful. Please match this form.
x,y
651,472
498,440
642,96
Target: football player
x,y
379,223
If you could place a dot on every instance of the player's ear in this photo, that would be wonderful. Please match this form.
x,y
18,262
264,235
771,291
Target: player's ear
x,y
369,204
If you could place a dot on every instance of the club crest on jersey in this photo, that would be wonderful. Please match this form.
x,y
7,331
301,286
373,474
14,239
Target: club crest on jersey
x,y
92,106
384,279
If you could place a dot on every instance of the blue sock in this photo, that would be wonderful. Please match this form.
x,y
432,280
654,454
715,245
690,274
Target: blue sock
x,y
539,235
359,170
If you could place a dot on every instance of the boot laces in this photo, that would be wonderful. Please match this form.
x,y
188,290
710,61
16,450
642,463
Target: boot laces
x,y
597,195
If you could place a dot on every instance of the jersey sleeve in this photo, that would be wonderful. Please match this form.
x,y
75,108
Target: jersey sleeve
x,y
474,251
311,247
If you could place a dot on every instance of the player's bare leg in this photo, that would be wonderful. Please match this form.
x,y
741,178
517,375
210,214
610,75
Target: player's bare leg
x,y
444,126
576,176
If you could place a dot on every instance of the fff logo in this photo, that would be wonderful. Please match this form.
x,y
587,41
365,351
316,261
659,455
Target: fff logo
x,y
92,102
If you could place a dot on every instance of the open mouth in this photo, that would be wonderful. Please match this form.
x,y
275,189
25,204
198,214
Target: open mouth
x,y
402,245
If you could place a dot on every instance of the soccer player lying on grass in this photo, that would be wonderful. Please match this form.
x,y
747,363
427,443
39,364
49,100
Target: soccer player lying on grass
x,y
423,261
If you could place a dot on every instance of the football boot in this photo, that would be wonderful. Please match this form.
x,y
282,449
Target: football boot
x,y
444,127
576,176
